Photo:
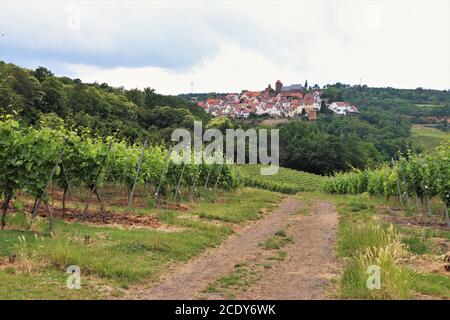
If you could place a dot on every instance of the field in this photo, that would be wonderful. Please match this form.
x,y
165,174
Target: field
x,y
114,256
285,180
428,138
313,233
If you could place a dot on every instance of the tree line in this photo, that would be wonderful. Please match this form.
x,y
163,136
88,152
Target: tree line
x,y
130,114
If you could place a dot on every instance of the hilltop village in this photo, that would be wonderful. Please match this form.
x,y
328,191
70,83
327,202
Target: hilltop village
x,y
291,101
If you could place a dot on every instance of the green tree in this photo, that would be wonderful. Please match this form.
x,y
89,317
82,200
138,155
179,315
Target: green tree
x,y
221,123
42,73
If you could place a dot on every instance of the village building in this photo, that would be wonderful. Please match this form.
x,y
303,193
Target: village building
x,y
312,115
284,101
342,108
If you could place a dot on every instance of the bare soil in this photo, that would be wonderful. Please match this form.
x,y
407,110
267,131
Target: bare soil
x,y
126,220
415,221
305,274
129,220
310,264
430,264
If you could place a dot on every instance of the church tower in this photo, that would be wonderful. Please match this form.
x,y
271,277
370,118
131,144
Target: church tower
x,y
278,86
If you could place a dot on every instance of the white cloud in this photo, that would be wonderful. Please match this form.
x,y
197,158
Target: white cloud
x,y
234,69
234,45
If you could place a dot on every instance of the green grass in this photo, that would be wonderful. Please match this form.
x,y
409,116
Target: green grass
x,y
237,207
428,138
416,245
285,180
279,256
238,280
48,284
395,281
421,241
363,240
114,255
248,272
432,284
355,238
277,241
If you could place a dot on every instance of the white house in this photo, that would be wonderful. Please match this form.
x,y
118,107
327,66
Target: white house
x,y
342,108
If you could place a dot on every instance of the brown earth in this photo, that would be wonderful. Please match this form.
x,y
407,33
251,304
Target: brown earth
x,y
415,221
126,220
305,274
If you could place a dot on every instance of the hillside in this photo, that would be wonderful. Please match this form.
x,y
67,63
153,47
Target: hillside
x,y
419,105
285,180
428,138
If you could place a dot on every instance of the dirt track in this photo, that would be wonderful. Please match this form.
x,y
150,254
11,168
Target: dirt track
x,y
305,274
310,262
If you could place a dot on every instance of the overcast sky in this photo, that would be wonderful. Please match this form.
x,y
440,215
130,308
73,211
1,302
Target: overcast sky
x,y
232,45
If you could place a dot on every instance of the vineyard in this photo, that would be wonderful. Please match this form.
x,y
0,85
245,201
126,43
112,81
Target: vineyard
x,y
285,180
421,176
428,138
33,160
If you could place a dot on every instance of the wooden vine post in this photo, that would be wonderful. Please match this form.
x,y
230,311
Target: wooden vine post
x,y
44,193
138,171
166,160
207,176
177,189
446,216
447,219
220,173
236,173
7,199
398,182
67,187
194,186
93,188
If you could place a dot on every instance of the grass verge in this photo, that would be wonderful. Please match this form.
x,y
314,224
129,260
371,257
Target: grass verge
x,y
365,241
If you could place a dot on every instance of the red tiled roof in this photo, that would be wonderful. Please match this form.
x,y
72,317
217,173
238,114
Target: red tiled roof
x,y
212,101
252,93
